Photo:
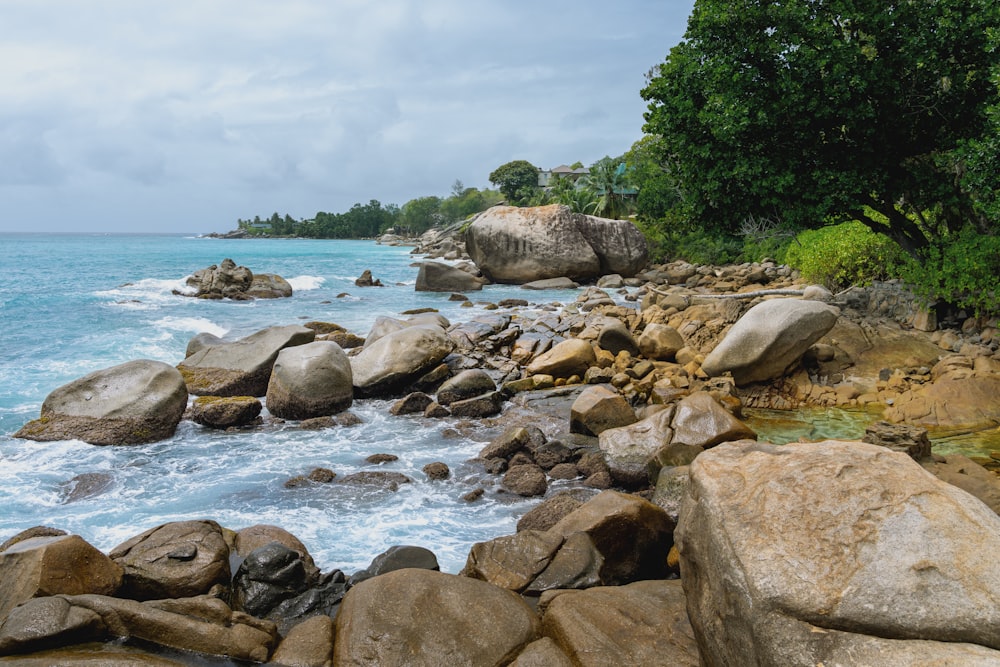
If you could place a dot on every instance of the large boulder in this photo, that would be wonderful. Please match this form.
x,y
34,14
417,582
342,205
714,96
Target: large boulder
x,y
269,286
242,367
467,384
628,448
770,339
520,245
311,380
643,623
175,560
438,277
835,553
132,403
220,281
968,402
398,358
62,564
421,617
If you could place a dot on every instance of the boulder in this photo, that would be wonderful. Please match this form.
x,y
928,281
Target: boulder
x,y
526,480
615,337
467,384
133,403
770,339
399,557
418,617
568,358
627,449
701,421
966,474
633,535
547,513
438,277
412,403
660,342
835,553
220,281
269,286
512,561
242,367
366,280
551,283
599,408
202,624
311,380
54,565
225,411
951,402
398,358
253,537
269,575
643,623
542,653
174,560
521,245
576,565
308,644
477,407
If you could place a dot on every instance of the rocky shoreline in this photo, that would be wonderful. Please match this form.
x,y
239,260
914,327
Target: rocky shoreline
x,y
683,540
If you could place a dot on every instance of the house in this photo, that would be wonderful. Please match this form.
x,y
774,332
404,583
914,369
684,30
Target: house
x,y
547,176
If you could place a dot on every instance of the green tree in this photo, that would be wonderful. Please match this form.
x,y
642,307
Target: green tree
x,y
419,215
809,111
517,180
659,193
609,181
469,202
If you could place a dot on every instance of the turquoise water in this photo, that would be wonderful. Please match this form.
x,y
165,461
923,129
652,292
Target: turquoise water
x,y
71,304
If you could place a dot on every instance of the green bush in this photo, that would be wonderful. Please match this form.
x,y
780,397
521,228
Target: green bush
x,y
962,269
668,242
839,256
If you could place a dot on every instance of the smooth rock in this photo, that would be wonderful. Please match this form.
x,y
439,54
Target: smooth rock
x,y
598,409
398,358
311,380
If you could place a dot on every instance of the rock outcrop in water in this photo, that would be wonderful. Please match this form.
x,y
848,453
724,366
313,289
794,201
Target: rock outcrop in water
x,y
229,281
132,403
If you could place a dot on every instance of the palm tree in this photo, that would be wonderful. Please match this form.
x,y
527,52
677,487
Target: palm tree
x,y
608,180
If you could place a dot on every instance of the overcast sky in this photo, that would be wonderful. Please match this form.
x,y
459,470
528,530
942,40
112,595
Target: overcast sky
x,y
182,116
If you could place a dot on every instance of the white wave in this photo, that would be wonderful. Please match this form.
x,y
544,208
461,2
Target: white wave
x,y
195,324
145,291
306,283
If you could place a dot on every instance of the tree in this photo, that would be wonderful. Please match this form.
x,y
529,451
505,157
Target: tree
x,y
609,181
419,215
817,111
650,172
515,179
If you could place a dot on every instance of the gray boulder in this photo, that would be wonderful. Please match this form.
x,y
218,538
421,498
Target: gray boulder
x,y
242,367
627,449
701,421
615,337
420,617
438,277
836,553
467,384
135,402
311,380
399,358
770,339
220,281
521,245
269,286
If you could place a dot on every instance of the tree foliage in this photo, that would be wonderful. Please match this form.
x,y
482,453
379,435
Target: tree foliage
x,y
809,111
517,180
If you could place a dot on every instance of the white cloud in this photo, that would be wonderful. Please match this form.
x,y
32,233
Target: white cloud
x,y
209,111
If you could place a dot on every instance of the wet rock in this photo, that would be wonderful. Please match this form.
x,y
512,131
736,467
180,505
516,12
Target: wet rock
x,y
576,565
310,380
269,575
512,561
366,280
414,402
398,358
526,480
466,384
242,367
438,277
550,511
389,481
86,485
225,411
486,405
269,286
308,644
660,342
615,337
132,403
437,471
911,440
599,408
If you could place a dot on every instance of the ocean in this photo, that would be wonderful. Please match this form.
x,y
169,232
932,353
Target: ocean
x,y
74,303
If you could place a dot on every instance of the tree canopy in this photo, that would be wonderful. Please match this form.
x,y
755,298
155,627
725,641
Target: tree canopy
x,y
814,111
514,178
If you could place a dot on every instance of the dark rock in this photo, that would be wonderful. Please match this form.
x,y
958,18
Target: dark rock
x,y
911,440
437,471
526,480
366,280
412,403
85,485
467,384
225,411
381,458
486,405
378,478
397,558
549,512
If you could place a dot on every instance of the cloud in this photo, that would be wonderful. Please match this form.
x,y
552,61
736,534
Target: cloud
x,y
249,107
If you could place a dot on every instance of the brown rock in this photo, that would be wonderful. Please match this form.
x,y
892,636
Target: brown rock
x,y
548,513
644,623
437,470
701,420
542,653
526,480
175,560
632,534
416,617
225,412
597,409
570,357
512,561
42,566
308,644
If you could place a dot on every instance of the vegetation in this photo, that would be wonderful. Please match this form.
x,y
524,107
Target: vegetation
x,y
812,113
517,180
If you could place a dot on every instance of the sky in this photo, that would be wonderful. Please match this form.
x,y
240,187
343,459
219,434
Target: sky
x,y
184,115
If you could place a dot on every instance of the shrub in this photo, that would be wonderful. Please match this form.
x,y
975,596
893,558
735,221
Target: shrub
x,y
961,269
839,256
